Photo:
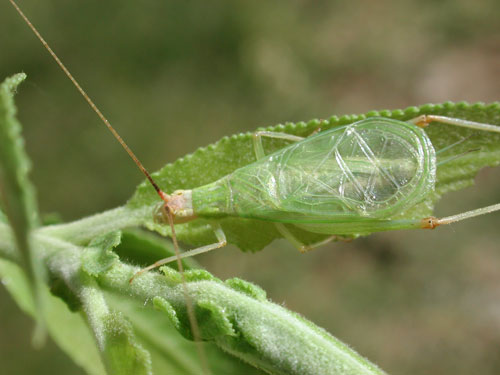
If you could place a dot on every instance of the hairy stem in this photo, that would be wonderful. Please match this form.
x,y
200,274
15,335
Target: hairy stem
x,y
80,232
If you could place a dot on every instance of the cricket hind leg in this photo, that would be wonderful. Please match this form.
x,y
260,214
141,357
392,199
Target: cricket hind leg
x,y
424,120
433,222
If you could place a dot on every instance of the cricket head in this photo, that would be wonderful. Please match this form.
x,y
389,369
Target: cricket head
x,y
430,222
179,204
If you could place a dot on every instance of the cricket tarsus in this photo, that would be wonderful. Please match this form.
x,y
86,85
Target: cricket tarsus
x,y
165,197
433,222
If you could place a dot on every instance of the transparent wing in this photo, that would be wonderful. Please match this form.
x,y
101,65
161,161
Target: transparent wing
x,y
370,169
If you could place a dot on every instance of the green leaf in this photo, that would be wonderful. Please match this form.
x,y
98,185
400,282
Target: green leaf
x,y
249,289
213,320
121,351
259,332
16,190
65,327
171,353
124,355
236,151
235,316
99,255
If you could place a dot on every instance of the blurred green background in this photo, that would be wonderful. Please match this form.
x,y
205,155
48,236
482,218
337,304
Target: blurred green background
x,y
176,75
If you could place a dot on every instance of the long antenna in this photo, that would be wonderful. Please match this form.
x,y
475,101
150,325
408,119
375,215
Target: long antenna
x,y
165,197
89,101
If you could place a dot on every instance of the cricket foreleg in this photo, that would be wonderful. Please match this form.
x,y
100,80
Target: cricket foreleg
x,y
424,120
221,238
433,222
257,140
302,247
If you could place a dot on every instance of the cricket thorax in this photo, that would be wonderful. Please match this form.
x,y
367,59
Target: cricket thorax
x,y
180,204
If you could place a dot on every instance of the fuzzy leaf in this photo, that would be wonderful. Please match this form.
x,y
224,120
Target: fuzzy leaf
x,y
234,152
99,255
120,350
123,354
171,353
17,192
64,326
257,331
249,289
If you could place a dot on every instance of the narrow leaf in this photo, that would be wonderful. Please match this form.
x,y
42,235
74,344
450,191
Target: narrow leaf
x,y
16,190
124,355
18,194
65,327
259,332
121,351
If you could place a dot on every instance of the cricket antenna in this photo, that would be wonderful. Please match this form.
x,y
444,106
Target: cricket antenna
x,y
165,197
162,195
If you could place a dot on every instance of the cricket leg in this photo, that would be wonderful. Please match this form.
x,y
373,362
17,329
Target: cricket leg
x,y
221,242
424,120
302,247
433,222
257,140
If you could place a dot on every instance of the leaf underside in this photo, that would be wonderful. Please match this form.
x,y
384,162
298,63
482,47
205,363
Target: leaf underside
x,y
475,150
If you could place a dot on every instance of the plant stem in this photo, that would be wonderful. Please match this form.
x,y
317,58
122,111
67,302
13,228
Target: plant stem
x,y
80,232
251,328
7,245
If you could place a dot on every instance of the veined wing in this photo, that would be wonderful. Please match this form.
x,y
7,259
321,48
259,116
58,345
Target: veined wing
x,y
369,169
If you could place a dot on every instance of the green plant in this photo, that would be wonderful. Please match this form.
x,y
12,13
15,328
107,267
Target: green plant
x,y
123,328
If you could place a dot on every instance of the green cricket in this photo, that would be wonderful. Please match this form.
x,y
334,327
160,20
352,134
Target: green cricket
x,y
344,182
